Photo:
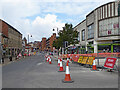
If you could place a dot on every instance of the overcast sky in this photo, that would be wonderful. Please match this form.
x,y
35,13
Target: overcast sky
x,y
39,17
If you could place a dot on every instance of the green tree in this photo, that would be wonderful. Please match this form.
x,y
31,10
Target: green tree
x,y
67,34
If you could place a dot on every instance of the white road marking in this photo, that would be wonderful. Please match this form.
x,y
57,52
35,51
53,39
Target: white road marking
x,y
39,63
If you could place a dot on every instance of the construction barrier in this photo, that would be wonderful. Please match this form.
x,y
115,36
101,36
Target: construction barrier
x,y
90,60
75,57
80,59
84,61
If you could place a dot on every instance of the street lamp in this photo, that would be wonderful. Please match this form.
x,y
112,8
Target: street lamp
x,y
56,35
28,43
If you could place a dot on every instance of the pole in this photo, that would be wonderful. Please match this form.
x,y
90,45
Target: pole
x,y
28,44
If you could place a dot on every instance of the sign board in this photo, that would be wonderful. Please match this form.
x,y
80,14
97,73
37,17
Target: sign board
x,y
110,62
90,60
84,60
80,59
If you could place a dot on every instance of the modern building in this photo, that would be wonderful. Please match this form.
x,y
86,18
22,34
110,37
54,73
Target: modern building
x,y
100,31
11,39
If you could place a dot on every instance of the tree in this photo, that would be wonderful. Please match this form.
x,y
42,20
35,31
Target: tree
x,y
67,34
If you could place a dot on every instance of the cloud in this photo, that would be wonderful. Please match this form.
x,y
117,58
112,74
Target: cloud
x,y
44,14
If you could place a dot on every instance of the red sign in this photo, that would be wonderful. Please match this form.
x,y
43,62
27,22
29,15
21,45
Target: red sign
x,y
110,62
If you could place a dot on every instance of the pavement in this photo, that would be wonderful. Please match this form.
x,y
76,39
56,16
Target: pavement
x,y
35,72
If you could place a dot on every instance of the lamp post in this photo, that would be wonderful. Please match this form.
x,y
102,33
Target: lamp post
x,y
56,35
28,43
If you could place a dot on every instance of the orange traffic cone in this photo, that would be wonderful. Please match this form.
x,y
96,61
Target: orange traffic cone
x,y
68,60
94,66
58,61
67,75
50,60
61,66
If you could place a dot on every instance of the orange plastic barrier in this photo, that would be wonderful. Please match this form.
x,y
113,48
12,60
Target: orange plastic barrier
x,y
75,57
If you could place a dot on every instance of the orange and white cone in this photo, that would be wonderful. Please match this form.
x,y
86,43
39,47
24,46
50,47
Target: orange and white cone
x,y
94,66
67,75
58,61
61,66
68,60
50,60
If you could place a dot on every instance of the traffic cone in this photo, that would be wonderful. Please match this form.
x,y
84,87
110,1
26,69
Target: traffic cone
x,y
61,66
68,60
50,60
67,75
58,61
94,68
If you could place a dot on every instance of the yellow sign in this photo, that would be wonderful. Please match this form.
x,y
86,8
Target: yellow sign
x,y
90,60
84,60
80,59
34,53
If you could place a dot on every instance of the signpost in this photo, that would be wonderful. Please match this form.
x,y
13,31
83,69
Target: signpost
x,y
110,62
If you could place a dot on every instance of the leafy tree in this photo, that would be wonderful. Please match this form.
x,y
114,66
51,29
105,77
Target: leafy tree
x,y
67,34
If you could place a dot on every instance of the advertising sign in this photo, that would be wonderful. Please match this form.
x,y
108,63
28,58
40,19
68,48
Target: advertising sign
x,y
80,59
110,62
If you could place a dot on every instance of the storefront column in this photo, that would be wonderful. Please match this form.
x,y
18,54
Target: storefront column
x,y
95,47
112,48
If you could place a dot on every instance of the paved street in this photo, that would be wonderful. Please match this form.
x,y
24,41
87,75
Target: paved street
x,y
35,72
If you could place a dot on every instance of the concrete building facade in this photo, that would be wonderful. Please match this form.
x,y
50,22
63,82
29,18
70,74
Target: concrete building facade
x,y
100,31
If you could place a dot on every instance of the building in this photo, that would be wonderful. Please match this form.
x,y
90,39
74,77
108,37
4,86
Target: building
x,y
11,39
100,31
52,38
49,42
43,43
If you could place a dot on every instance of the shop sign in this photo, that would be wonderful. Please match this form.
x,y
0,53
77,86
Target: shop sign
x,y
110,62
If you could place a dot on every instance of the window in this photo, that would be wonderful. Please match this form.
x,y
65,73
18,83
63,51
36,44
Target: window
x,y
83,35
109,27
91,31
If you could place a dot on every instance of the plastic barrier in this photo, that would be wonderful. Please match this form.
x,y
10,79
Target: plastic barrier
x,y
75,57
90,60
80,59
110,62
84,61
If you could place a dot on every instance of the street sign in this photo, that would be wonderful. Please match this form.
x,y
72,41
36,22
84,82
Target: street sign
x,y
110,62
84,60
90,60
80,59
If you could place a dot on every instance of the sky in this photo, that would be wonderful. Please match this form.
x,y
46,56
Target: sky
x,y
39,17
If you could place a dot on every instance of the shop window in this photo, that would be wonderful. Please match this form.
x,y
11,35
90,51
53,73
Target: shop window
x,y
104,48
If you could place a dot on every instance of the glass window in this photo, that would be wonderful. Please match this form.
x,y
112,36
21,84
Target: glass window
x,y
109,27
91,31
83,35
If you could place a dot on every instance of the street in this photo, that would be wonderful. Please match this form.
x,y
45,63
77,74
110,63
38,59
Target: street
x,y
35,72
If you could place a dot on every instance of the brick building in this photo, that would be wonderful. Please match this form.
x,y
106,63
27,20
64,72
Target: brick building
x,y
43,43
11,39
